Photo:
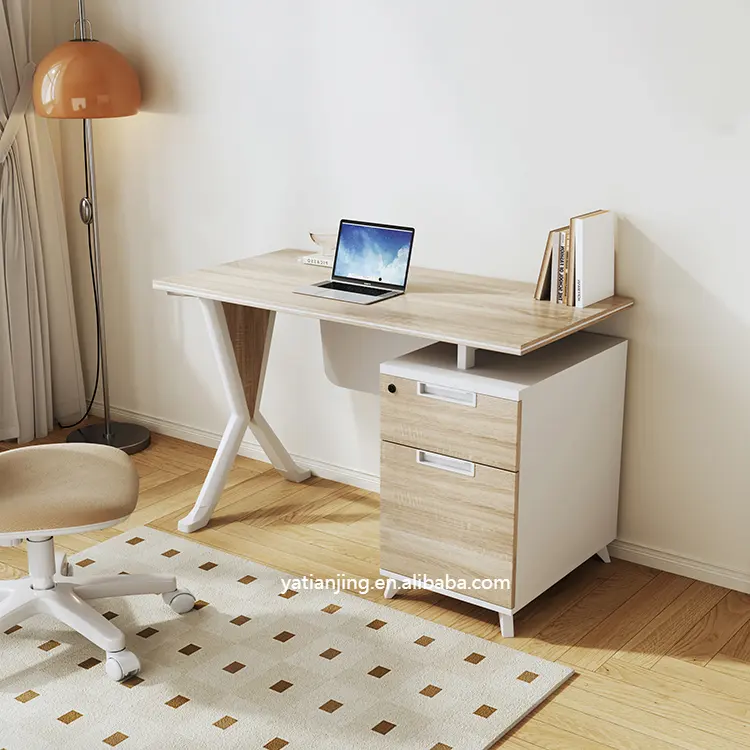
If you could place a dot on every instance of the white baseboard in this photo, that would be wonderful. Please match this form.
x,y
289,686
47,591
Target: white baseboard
x,y
684,566
249,448
649,556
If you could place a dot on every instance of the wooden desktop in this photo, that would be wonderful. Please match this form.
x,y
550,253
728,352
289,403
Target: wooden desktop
x,y
477,311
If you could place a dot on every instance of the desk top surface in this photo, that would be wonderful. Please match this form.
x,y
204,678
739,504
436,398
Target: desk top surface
x,y
478,311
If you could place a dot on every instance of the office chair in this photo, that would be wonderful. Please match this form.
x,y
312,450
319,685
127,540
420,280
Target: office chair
x,y
48,490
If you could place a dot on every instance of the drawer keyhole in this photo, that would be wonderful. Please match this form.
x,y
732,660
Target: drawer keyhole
x,y
391,388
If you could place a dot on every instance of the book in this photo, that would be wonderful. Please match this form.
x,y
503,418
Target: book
x,y
570,271
571,277
571,280
565,271
558,264
543,283
566,255
593,242
554,266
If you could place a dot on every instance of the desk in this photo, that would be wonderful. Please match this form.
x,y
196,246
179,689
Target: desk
x,y
240,300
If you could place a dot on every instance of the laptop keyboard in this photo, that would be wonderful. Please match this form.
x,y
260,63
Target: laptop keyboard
x,y
341,287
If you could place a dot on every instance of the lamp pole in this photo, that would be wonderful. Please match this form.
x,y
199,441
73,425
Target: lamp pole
x,y
130,438
89,210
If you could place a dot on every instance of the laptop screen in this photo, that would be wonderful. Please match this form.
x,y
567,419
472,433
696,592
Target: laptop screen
x,y
373,252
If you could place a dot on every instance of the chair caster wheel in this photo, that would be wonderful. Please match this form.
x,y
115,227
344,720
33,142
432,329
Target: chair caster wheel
x,y
62,566
180,600
122,664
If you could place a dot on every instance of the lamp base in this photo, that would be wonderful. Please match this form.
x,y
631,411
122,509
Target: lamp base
x,y
130,438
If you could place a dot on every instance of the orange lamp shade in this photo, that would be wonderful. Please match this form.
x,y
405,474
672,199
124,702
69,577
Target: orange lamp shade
x,y
85,79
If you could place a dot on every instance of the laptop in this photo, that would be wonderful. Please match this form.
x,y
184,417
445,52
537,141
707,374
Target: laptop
x,y
371,263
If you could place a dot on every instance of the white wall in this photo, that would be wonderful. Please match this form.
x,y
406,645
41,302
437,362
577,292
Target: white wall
x,y
483,123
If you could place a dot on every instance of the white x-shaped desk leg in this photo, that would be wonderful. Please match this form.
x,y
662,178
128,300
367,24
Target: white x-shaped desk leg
x,y
240,339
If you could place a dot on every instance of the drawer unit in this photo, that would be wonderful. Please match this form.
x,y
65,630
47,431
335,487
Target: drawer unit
x,y
458,422
506,471
443,516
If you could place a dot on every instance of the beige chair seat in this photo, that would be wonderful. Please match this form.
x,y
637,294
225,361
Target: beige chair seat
x,y
49,487
48,490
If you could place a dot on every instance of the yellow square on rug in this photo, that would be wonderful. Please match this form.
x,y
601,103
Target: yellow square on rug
x,y
256,668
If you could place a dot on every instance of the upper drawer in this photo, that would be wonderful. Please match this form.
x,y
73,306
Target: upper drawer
x,y
459,423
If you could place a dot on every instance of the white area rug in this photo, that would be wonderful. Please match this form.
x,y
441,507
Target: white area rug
x,y
252,669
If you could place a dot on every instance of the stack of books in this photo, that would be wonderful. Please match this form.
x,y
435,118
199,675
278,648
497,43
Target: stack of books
x,y
578,267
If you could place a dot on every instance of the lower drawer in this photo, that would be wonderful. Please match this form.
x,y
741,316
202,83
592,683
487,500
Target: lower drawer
x,y
446,517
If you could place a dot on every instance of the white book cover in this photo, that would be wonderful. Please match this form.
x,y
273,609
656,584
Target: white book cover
x,y
595,256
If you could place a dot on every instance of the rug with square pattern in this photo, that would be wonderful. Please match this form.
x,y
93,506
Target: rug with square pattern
x,y
254,668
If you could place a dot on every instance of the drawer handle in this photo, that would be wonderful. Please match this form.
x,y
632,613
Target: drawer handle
x,y
445,463
443,393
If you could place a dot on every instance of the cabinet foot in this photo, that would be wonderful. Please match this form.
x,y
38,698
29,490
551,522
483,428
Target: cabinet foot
x,y
392,587
506,626
603,554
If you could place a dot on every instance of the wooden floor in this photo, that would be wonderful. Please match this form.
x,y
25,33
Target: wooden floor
x,y
662,661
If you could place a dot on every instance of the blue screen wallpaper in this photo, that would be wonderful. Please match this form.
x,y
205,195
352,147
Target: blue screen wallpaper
x,y
373,253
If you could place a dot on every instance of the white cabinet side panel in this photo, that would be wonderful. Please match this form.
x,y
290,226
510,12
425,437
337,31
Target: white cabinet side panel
x,y
569,475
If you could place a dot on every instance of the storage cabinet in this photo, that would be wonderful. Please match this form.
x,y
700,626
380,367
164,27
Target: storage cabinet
x,y
508,471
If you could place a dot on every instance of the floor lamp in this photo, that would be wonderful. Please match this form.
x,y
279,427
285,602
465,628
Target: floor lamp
x,y
85,79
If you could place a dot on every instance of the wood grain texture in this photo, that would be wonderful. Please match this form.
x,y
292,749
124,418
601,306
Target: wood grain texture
x,y
250,329
584,725
708,680
436,523
734,658
739,646
324,529
627,709
486,313
593,609
725,732
671,686
715,631
627,622
540,735
486,433
727,665
8,572
666,629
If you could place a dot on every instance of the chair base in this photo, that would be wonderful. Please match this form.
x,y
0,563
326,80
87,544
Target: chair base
x,y
49,591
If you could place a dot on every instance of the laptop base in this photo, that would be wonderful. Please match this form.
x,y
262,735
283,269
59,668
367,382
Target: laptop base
x,y
323,289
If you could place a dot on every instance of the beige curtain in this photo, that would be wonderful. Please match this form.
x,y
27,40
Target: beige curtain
x,y
40,364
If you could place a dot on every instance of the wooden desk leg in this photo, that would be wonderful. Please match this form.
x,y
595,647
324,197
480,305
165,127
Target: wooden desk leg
x,y
241,340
